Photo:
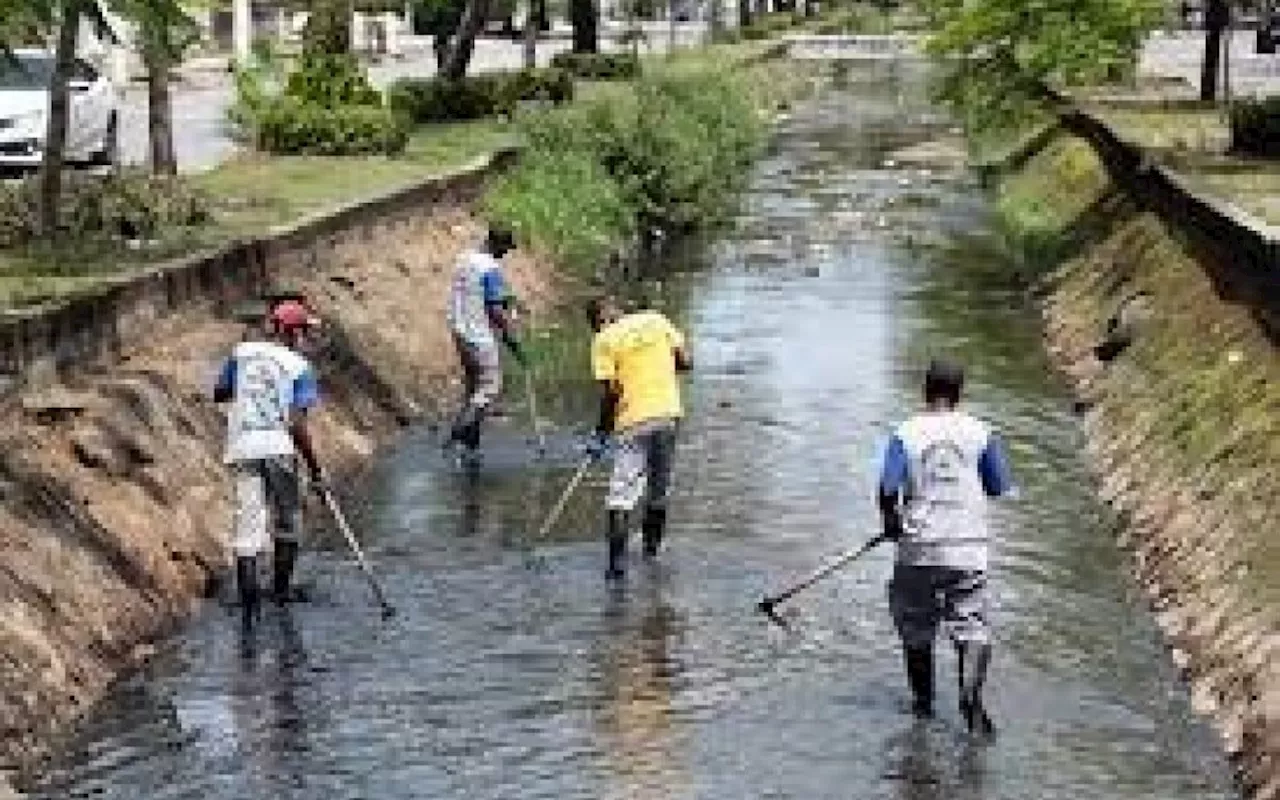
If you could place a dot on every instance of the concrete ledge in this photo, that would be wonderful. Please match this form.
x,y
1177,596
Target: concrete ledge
x,y
42,344
1246,250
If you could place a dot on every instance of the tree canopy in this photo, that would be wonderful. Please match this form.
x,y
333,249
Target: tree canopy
x,y
1003,53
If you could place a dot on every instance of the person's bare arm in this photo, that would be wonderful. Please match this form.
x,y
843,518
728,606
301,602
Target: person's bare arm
x,y
300,432
684,362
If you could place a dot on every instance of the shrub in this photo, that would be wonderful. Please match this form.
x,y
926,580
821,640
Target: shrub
x,y
768,25
294,127
598,66
331,80
426,100
129,205
1255,127
668,154
325,106
564,202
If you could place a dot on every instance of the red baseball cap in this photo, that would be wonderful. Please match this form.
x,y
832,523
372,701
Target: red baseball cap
x,y
291,315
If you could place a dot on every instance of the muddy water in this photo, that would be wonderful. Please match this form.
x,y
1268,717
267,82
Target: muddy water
x,y
809,319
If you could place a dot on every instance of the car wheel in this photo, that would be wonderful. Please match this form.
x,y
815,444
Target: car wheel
x,y
109,155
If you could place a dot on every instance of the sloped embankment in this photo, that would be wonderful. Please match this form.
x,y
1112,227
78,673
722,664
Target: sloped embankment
x,y
114,506
1183,424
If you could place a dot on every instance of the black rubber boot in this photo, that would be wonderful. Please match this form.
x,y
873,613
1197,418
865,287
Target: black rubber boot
x,y
974,660
617,536
919,662
285,556
247,584
652,527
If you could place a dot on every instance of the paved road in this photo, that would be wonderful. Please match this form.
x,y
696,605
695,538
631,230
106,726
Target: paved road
x,y
199,107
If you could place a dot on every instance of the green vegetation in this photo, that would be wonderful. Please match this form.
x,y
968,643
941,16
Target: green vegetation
x,y
326,106
1199,386
666,154
1255,127
130,204
598,66
1039,205
573,206
428,100
1002,54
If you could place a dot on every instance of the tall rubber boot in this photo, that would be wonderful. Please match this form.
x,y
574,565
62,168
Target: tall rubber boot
x,y
975,659
617,536
919,662
284,558
247,584
652,528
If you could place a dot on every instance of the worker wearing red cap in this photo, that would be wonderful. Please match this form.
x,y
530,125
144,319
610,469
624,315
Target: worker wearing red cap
x,y
270,387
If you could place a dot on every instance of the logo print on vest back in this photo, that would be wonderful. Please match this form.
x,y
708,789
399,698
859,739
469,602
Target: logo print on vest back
x,y
942,466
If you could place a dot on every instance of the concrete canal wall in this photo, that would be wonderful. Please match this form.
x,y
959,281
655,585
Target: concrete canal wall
x,y
1161,307
114,505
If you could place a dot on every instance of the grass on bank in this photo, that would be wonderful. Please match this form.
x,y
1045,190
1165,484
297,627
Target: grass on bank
x,y
1195,142
254,193
1201,380
248,195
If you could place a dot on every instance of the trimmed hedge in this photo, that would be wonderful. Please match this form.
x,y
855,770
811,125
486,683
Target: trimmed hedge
x,y
425,100
326,106
598,66
294,127
1255,127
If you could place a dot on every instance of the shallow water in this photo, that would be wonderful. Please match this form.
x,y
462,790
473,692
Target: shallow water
x,y
809,318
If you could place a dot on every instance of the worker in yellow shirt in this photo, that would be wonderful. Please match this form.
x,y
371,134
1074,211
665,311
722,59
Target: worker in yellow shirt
x,y
636,357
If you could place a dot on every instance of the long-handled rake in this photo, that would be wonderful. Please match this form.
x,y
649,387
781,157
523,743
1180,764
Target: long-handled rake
x,y
533,413
766,606
338,517
554,516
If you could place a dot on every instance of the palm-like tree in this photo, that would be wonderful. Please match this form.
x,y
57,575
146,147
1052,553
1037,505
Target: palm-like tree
x,y
1217,18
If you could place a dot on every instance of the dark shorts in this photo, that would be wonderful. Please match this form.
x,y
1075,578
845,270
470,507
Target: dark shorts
x,y
922,598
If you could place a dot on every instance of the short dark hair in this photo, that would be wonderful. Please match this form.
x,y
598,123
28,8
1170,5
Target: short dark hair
x,y
944,380
597,306
500,240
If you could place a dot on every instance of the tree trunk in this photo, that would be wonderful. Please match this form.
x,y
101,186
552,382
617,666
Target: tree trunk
x,y
531,35
473,17
1216,16
440,44
744,13
159,108
55,141
586,26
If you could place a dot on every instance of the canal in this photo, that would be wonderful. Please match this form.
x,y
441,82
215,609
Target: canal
x,y
811,317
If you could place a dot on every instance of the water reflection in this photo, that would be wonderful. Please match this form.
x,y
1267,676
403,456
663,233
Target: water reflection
x,y
636,673
809,319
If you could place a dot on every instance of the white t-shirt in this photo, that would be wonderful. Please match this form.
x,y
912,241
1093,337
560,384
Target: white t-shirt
x,y
268,381
477,282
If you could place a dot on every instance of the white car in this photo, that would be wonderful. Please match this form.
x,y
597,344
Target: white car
x,y
92,131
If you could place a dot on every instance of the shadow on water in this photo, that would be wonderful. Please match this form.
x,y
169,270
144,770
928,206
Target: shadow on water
x,y
810,318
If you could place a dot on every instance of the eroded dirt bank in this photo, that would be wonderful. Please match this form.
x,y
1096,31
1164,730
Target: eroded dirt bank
x,y
1183,426
113,500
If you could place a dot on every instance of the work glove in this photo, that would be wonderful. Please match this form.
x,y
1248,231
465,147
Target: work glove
x,y
318,479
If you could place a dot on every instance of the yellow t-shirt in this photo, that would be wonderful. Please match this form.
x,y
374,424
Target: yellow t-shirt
x,y
637,353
